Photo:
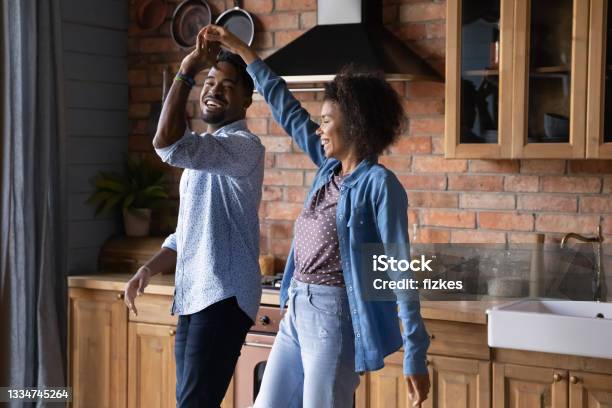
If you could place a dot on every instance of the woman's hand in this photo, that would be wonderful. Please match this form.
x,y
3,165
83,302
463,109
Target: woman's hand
x,y
230,42
202,57
418,388
136,286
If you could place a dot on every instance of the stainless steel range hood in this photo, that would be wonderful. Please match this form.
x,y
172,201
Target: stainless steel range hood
x,y
348,31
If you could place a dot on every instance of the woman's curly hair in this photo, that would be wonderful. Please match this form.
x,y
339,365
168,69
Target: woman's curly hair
x,y
372,114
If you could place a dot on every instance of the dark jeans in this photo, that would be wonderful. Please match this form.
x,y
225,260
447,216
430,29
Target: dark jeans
x,y
206,348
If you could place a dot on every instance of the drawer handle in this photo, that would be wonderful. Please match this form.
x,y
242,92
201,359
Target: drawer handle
x,y
557,377
259,345
172,332
574,379
432,336
119,296
264,320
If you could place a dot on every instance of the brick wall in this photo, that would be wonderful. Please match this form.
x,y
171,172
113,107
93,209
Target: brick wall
x,y
451,200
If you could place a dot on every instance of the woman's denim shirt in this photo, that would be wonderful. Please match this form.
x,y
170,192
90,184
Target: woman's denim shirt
x,y
372,208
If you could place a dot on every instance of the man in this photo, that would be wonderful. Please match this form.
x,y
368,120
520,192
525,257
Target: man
x,y
215,247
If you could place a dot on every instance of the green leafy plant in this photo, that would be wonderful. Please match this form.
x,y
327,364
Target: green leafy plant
x,y
140,186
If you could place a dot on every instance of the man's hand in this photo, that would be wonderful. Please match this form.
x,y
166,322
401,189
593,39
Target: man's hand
x,y
230,42
202,57
418,388
136,286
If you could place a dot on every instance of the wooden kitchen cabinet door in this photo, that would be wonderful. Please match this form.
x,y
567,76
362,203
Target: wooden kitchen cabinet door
x,y
599,104
387,386
458,383
97,344
516,386
590,390
151,367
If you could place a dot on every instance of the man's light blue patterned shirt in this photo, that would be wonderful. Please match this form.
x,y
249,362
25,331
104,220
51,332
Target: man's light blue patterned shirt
x,y
217,234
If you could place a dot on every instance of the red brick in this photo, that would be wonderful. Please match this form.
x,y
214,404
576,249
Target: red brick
x,y
412,145
258,109
437,145
263,40
558,184
422,12
477,237
413,31
277,210
277,21
308,19
431,236
139,111
582,224
464,182
590,166
258,126
281,230
139,126
272,193
547,202
270,160
145,94
423,107
543,166
494,166
413,216
257,6
505,221
607,187
430,199
158,45
487,201
296,194
527,184
139,143
423,182
427,126
522,238
390,14
309,177
436,30
607,225
283,178
601,204
282,38
292,5
276,144
294,161
397,164
453,219
280,247
422,89
429,48
137,77
438,164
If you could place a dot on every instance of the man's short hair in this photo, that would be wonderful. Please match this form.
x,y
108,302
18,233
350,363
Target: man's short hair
x,y
239,64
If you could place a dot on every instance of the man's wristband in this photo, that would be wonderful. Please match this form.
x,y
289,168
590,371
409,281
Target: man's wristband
x,y
186,79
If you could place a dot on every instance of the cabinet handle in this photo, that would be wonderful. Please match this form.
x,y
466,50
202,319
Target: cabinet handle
x,y
574,379
119,296
557,377
264,320
172,332
432,336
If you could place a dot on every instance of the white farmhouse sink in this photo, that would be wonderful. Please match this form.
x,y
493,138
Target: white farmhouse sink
x,y
552,326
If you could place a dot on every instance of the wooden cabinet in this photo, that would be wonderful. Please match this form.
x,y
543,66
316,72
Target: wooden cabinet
x,y
517,386
523,76
97,343
587,390
532,387
151,366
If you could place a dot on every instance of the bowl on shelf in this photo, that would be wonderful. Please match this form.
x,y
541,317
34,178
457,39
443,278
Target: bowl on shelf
x,y
556,126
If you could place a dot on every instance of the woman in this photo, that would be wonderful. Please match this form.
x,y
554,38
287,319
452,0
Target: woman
x,y
330,333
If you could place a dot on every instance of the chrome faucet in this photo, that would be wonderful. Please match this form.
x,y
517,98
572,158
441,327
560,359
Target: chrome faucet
x,y
599,284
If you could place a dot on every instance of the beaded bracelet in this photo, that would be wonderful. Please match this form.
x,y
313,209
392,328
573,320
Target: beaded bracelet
x,y
186,79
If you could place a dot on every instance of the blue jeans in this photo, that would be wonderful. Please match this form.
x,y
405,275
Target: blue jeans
x,y
206,348
312,362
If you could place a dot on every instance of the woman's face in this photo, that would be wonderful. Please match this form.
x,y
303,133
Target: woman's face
x,y
330,131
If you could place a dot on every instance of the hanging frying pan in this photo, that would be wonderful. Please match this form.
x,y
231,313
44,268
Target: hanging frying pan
x,y
188,19
238,22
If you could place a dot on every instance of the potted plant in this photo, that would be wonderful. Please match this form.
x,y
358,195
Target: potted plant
x,y
137,191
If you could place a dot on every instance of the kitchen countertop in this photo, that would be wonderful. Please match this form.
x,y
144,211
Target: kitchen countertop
x,y
459,311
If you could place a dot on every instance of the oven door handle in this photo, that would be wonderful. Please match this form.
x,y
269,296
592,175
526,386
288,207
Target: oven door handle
x,y
260,345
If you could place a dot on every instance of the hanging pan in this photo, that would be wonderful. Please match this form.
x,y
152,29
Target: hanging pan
x,y
238,22
188,19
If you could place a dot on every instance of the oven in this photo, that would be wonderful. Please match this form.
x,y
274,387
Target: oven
x,y
253,356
